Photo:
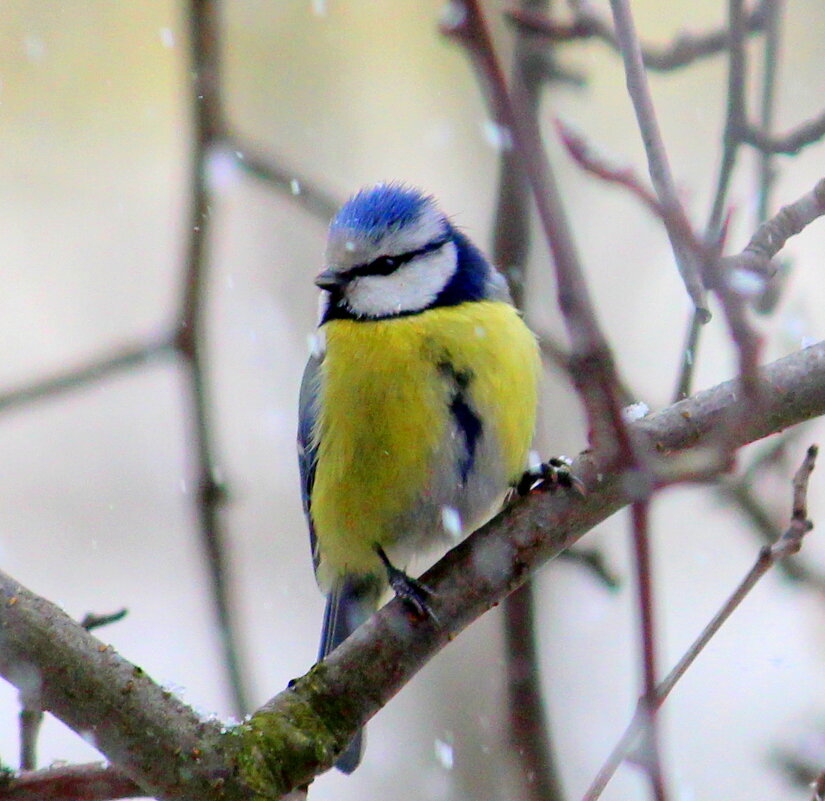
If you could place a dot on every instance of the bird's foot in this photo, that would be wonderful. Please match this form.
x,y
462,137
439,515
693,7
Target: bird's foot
x,y
411,591
549,476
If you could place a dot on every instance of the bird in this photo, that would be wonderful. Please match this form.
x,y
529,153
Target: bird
x,y
417,406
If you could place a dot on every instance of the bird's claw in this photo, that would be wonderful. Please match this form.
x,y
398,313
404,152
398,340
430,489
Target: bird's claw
x,y
549,476
411,591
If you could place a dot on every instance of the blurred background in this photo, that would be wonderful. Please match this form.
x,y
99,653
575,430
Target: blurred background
x,y
97,485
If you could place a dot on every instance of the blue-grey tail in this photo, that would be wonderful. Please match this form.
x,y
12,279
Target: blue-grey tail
x,y
349,604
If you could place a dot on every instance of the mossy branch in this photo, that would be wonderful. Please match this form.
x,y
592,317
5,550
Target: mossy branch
x,y
165,748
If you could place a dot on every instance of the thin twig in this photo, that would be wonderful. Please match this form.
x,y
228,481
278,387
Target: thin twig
x,y
673,217
735,117
789,543
119,359
588,23
807,133
592,364
208,128
657,160
90,782
685,379
92,621
770,237
727,276
650,753
529,728
732,140
265,167
739,490
770,67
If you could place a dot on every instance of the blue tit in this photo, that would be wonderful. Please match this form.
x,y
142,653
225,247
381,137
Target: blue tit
x,y
417,408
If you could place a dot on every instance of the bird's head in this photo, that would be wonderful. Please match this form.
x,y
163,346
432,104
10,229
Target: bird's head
x,y
391,251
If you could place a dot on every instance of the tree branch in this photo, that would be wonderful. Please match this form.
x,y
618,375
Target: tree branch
x,y
588,23
208,126
122,358
789,543
92,782
161,744
675,220
790,143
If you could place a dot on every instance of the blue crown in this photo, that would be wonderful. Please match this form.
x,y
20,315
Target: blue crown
x,y
378,209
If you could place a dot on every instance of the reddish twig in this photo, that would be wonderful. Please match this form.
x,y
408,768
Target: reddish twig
x,y
591,359
724,275
91,782
529,729
588,23
650,760
789,543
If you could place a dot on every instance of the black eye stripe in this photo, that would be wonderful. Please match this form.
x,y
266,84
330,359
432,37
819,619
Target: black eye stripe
x,y
386,265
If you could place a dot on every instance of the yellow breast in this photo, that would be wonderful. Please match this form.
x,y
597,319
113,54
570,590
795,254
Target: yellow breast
x,y
384,416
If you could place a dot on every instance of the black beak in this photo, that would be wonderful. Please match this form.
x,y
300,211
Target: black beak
x,y
329,280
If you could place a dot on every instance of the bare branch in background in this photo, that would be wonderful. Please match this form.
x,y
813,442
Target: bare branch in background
x,y
30,718
117,360
770,67
186,339
808,133
591,360
591,161
789,543
657,160
589,23
529,728
731,277
734,121
651,757
265,167
774,233
207,120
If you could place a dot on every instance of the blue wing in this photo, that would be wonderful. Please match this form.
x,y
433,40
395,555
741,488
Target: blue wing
x,y
307,444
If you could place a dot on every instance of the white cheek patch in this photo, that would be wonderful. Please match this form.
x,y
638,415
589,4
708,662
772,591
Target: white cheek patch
x,y
411,288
